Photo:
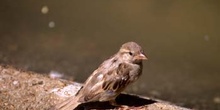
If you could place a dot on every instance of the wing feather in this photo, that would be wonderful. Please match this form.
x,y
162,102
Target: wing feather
x,y
114,82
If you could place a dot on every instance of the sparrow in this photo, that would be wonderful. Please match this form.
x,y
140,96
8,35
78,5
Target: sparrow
x,y
110,78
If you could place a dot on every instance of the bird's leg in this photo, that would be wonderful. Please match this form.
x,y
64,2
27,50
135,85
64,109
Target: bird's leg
x,y
113,103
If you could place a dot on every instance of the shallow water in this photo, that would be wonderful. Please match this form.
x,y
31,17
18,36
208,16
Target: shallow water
x,y
181,39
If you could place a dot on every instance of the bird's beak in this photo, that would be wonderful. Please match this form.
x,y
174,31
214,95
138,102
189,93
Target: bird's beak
x,y
141,56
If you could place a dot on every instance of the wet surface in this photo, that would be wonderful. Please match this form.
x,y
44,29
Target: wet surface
x,y
181,39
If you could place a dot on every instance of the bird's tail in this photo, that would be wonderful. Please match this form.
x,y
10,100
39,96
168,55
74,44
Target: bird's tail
x,y
69,104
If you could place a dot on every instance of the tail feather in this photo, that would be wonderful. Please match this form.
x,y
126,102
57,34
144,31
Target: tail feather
x,y
69,104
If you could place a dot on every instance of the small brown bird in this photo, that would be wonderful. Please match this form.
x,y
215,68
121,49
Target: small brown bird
x,y
111,77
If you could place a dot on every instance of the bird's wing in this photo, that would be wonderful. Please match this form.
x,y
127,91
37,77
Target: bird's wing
x,y
119,78
113,81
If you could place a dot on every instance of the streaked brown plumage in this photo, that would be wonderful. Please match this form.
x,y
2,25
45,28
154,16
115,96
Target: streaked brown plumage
x,y
111,77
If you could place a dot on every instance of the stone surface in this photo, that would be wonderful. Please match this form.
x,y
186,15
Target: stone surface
x,y
24,90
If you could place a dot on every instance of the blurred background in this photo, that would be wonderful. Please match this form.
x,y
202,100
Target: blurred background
x,y
180,37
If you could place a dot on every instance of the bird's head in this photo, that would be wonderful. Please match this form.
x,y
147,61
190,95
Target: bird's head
x,y
132,52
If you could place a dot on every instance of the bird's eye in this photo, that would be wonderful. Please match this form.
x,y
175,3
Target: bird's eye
x,y
130,53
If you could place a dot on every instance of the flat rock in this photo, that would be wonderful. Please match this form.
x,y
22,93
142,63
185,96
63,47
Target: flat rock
x,y
25,90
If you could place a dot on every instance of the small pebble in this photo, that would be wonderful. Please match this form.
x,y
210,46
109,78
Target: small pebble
x,y
55,74
15,82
